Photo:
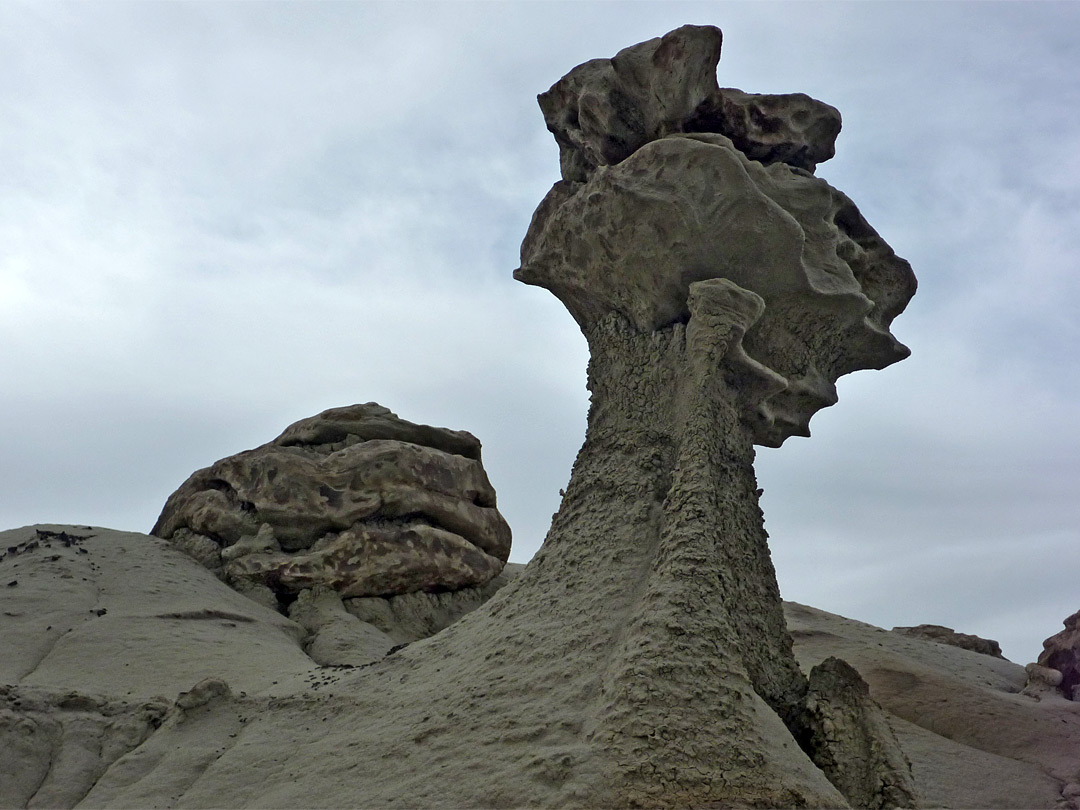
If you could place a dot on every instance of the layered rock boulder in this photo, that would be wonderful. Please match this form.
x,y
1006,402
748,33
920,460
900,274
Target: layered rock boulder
x,y
354,499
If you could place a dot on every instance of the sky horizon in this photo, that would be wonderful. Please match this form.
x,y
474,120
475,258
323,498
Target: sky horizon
x,y
222,218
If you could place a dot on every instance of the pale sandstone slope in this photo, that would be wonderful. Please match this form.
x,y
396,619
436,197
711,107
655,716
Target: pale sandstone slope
x,y
321,737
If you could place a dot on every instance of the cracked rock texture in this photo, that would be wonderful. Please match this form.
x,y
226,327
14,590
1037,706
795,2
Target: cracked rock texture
x,y
354,499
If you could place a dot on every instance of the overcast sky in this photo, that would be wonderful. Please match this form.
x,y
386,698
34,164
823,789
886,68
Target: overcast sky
x,y
216,219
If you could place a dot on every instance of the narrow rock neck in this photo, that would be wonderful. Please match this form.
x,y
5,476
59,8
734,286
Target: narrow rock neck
x,y
663,510
661,519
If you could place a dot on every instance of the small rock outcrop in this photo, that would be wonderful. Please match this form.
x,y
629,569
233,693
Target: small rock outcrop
x,y
946,635
852,741
1061,652
354,499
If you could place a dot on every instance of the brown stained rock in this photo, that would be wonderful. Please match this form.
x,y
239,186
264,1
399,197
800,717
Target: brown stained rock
x,y
1061,652
946,635
354,499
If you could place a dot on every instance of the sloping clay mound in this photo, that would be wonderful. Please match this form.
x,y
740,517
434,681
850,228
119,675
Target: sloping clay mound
x,y
80,723
972,738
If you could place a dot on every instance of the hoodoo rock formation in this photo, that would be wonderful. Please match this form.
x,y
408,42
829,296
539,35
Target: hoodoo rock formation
x,y
643,658
354,499
721,293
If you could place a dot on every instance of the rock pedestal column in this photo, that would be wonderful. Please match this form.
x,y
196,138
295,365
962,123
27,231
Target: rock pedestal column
x,y
705,642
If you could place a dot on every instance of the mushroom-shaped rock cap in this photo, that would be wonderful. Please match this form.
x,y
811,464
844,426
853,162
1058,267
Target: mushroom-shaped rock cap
x,y
633,229
355,499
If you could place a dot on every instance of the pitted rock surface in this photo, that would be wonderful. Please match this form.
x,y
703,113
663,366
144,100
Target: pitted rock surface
x,y
671,181
354,499
603,111
1061,652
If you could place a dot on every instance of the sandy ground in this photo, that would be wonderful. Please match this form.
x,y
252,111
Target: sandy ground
x,y
102,631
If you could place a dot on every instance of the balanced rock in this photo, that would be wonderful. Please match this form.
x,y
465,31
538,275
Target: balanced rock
x,y
354,499
675,205
1061,652
946,635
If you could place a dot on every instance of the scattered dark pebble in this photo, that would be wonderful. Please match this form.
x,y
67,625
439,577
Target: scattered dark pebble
x,y
13,583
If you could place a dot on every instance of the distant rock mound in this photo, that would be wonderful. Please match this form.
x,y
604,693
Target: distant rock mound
x,y
354,499
946,635
1061,652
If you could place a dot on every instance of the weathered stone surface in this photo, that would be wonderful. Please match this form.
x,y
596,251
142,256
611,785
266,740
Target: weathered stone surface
x,y
851,740
1061,652
1041,681
791,128
354,499
359,631
603,111
55,745
634,237
336,638
972,739
97,608
946,635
